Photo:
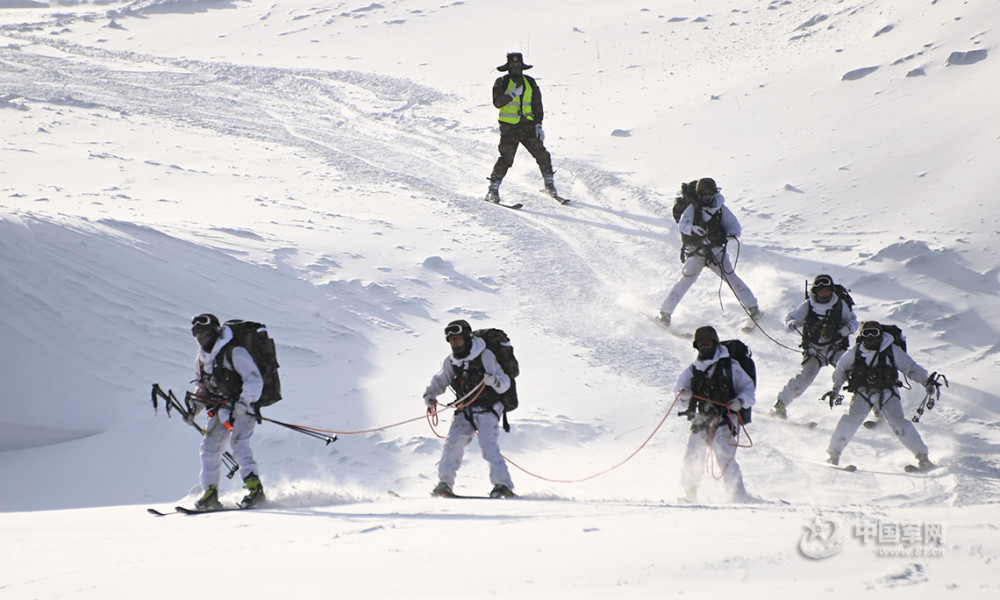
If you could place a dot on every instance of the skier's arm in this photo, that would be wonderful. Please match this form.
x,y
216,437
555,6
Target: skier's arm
x,y
908,366
845,364
253,382
797,317
500,97
730,224
492,367
743,386
536,101
440,381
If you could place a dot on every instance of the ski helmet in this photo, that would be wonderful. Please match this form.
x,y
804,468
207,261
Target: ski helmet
x,y
461,328
706,187
822,289
706,340
871,335
206,329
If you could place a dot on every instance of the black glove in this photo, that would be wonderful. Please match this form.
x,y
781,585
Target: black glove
x,y
833,398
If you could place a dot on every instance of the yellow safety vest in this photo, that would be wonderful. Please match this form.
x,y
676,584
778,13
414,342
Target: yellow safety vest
x,y
519,106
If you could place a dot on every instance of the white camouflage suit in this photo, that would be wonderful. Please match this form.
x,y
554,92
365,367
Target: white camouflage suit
x,y
696,262
485,420
721,442
217,434
817,356
866,398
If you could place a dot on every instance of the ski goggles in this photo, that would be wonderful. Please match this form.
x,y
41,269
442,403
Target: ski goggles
x,y
452,330
822,281
871,332
201,321
704,342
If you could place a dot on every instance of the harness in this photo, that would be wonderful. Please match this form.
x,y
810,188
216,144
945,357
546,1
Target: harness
x,y
881,374
715,235
715,383
465,378
817,327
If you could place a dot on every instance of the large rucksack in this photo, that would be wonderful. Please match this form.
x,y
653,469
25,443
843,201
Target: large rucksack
x,y
253,337
499,344
741,353
687,197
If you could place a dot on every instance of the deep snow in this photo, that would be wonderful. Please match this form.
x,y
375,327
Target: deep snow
x,y
318,166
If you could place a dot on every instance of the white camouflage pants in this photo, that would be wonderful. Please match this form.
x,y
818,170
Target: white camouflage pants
x,y
797,385
214,442
892,411
693,267
723,445
460,434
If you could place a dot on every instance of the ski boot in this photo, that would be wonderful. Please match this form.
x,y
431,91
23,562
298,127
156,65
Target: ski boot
x,y
923,462
690,496
256,494
550,184
493,194
779,411
501,491
754,313
442,490
833,457
665,318
209,500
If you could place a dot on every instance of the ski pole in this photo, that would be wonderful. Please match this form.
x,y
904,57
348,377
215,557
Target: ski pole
x,y
172,402
303,430
931,397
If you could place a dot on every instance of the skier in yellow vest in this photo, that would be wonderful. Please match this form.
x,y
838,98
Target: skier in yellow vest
x,y
520,102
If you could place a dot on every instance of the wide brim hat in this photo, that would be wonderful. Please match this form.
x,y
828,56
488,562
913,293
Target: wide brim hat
x,y
514,59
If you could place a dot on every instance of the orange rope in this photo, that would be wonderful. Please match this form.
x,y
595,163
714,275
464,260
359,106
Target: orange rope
x,y
457,405
609,469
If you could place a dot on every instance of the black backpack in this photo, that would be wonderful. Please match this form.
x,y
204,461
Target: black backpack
x,y
741,353
254,338
687,197
498,343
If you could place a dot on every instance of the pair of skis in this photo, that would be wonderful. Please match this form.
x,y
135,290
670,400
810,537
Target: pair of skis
x,y
560,199
183,510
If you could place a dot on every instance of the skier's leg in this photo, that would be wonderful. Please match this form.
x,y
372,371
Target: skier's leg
x,y
739,287
460,434
689,274
243,428
509,141
693,466
904,429
212,444
798,384
488,425
848,425
724,446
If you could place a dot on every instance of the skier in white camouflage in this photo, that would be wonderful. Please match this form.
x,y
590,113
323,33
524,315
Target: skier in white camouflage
x,y
871,370
826,321
228,385
716,389
469,364
706,226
